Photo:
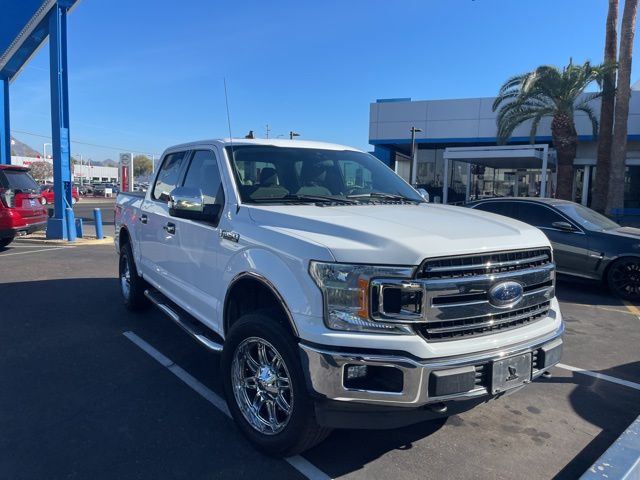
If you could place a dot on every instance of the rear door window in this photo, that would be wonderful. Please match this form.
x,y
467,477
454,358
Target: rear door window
x,y
500,208
537,215
168,176
19,181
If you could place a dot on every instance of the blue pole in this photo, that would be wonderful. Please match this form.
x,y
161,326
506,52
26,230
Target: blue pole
x,y
71,225
57,225
5,131
97,217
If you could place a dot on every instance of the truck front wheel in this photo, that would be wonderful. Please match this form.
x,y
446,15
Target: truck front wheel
x,y
265,387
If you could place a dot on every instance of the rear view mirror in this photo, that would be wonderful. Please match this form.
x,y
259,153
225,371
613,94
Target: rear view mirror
x,y
187,202
564,226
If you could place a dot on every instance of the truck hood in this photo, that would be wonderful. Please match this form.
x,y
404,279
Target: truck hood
x,y
397,234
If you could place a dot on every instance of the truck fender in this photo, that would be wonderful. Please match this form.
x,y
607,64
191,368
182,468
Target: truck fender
x,y
291,284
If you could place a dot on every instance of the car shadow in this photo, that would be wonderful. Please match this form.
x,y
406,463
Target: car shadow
x,y
592,400
351,450
584,292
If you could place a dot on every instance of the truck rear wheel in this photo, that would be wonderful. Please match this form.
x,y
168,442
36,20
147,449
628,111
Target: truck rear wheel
x,y
132,286
265,387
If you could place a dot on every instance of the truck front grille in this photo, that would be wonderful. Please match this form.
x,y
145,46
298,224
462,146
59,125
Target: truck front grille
x,y
490,263
474,326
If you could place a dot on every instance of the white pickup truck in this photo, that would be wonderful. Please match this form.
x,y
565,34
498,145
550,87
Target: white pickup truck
x,y
337,296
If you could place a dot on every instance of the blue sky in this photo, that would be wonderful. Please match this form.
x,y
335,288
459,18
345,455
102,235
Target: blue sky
x,y
147,74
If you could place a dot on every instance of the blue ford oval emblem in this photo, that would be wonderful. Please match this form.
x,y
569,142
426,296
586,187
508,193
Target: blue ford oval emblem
x,y
505,294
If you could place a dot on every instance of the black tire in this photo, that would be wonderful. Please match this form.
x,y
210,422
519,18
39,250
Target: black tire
x,y
623,278
5,241
301,431
133,296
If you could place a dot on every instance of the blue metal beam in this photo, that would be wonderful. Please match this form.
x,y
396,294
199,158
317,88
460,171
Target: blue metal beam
x,y
57,225
5,130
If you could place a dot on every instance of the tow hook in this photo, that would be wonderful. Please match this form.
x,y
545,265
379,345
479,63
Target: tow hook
x,y
438,407
547,374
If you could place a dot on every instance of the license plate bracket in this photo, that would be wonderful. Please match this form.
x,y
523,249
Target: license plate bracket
x,y
510,372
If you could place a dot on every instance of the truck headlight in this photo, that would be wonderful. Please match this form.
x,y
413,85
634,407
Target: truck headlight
x,y
345,290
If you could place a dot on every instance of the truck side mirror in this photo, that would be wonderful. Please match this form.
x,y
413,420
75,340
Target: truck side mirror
x,y
424,194
188,202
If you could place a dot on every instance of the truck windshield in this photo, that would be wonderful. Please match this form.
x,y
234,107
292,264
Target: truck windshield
x,y
269,174
587,218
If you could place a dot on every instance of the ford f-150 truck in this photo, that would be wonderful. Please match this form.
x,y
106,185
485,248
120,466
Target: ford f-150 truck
x,y
337,296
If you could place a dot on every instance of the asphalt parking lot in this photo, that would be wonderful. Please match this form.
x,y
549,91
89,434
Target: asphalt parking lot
x,y
80,399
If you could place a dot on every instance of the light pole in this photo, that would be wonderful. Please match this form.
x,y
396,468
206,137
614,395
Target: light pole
x,y
293,134
413,165
44,150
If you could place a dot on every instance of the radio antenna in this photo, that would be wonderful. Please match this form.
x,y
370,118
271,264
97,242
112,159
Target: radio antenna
x,y
226,99
233,157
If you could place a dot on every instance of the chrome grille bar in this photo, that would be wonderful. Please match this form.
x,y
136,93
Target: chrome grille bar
x,y
488,265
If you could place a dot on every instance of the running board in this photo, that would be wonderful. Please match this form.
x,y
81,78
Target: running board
x,y
195,328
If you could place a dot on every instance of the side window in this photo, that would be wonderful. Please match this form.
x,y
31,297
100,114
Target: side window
x,y
536,215
499,208
168,176
203,173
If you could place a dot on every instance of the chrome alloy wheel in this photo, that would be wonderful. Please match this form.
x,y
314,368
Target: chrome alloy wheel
x,y
125,277
261,386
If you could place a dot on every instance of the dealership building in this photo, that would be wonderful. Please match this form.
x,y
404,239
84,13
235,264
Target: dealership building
x,y
456,145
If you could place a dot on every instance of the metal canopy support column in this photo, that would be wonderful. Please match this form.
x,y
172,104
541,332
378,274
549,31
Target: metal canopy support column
x,y
57,225
468,189
5,130
445,181
543,176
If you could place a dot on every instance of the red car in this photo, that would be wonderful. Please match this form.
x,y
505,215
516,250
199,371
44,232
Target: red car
x,y
20,210
47,194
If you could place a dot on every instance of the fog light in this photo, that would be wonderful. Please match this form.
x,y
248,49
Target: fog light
x,y
356,371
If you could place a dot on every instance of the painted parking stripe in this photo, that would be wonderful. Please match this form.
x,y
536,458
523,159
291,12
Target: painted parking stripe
x,y
601,376
629,311
298,462
31,251
632,308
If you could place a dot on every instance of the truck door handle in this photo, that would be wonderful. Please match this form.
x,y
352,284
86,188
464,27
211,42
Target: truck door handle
x,y
144,218
170,228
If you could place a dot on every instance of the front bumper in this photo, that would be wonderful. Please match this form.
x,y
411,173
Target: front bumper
x,y
422,382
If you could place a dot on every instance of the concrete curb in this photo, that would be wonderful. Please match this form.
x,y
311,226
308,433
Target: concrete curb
x,y
621,460
80,242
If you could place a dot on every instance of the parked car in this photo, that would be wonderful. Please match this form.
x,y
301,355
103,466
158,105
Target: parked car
x,y
47,195
99,189
20,210
337,296
585,243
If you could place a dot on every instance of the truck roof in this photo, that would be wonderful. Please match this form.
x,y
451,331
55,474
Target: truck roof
x,y
276,142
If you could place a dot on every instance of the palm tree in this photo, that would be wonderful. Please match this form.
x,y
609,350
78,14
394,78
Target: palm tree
x,y
615,197
605,136
551,92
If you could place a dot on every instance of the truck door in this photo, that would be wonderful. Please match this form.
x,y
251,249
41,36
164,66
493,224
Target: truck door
x,y
158,243
196,273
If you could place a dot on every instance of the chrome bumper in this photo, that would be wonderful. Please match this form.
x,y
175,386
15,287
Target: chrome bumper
x,y
325,372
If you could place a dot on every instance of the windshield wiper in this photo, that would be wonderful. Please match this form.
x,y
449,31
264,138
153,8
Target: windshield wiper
x,y
387,196
304,198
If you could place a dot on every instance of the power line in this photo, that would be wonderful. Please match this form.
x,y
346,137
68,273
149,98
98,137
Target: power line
x,y
89,144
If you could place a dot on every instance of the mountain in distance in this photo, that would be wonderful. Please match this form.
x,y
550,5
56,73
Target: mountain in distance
x,y
20,149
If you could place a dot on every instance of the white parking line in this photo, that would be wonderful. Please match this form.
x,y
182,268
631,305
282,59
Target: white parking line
x,y
601,376
31,251
298,462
